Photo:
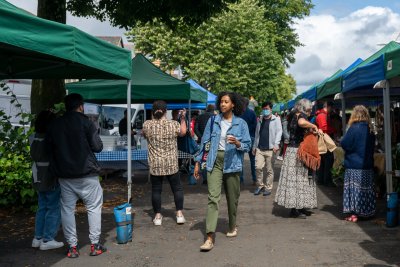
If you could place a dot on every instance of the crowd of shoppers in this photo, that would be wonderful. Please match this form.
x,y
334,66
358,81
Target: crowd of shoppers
x,y
65,168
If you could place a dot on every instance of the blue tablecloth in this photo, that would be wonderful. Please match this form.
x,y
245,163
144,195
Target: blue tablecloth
x,y
119,155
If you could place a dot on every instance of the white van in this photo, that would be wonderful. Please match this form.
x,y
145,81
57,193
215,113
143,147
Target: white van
x,y
110,116
22,89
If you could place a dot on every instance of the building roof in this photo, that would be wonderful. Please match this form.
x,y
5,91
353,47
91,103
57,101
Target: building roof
x,y
116,40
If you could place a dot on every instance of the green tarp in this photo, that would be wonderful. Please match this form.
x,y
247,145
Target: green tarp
x,y
330,86
148,84
392,63
35,48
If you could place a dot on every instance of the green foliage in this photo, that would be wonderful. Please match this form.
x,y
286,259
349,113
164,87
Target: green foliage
x,y
338,175
126,13
283,14
15,163
235,50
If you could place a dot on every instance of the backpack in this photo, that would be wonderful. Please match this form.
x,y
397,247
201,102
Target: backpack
x,y
42,178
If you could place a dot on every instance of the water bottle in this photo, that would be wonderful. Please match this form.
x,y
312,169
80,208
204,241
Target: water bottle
x,y
138,143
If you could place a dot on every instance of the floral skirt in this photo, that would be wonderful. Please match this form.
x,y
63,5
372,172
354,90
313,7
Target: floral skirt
x,y
295,189
359,193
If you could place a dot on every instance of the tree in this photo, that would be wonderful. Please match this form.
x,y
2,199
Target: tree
x,y
235,51
126,13
46,93
123,13
282,13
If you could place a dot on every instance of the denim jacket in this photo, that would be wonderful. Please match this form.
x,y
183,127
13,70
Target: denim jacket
x,y
233,161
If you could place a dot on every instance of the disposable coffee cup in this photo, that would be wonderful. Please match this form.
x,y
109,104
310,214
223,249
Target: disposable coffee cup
x,y
227,137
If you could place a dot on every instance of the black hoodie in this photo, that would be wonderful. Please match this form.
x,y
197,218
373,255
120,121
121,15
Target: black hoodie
x,y
72,140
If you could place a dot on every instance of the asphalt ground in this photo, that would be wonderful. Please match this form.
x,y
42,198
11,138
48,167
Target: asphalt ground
x,y
266,235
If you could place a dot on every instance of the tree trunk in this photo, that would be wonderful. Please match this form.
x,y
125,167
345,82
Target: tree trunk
x,y
46,93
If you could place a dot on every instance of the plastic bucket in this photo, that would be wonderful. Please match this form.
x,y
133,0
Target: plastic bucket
x,y
124,220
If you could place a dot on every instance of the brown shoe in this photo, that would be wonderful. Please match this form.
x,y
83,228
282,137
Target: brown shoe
x,y
233,233
207,246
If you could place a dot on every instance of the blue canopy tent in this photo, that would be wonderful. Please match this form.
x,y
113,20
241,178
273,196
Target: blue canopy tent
x,y
310,94
290,104
278,107
358,84
333,84
369,72
211,99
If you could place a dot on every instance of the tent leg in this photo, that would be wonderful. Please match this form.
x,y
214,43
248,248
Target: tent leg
x,y
388,138
190,112
343,115
129,159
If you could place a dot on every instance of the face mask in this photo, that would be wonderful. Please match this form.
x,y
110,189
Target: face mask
x,y
266,112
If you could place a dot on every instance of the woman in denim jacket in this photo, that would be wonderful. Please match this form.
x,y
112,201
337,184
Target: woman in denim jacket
x,y
230,139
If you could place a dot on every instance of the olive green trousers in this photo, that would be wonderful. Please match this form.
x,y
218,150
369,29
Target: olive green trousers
x,y
231,182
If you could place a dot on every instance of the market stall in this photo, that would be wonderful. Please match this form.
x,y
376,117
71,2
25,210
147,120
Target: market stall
x,y
35,48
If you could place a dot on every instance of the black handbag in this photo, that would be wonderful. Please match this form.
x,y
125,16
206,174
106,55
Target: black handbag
x,y
186,143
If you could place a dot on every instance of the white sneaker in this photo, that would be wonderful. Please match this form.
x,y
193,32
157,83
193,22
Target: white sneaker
x,y
279,158
158,221
180,219
36,242
53,244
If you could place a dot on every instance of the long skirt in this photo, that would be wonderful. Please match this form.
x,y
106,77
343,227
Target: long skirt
x,y
359,193
295,189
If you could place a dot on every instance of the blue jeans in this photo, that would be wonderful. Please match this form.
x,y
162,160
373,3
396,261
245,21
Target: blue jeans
x,y
252,164
48,215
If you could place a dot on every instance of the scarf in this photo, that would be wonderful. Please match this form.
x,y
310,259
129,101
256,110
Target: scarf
x,y
308,152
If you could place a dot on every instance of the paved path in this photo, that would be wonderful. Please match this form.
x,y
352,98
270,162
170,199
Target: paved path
x,y
267,237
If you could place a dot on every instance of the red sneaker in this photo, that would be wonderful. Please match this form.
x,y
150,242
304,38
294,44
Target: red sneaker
x,y
97,249
72,252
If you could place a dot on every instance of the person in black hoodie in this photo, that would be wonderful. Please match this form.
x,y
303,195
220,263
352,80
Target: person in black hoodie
x,y
73,139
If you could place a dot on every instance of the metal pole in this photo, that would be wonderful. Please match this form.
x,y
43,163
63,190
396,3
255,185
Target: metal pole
x,y
128,100
388,137
190,111
343,114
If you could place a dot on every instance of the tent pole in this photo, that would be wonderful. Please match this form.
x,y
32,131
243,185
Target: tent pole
x,y
343,114
388,137
129,160
190,112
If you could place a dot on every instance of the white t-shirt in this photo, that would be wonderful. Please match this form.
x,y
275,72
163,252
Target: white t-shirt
x,y
225,125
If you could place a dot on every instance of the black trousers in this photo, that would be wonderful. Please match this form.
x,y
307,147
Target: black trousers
x,y
324,173
176,187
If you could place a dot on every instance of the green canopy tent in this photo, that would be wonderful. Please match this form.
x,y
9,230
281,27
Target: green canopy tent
x,y
35,48
392,81
148,84
329,86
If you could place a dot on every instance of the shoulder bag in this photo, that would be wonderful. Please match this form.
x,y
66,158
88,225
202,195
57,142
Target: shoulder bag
x,y
206,146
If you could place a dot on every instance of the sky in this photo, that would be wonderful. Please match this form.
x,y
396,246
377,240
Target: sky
x,y
336,33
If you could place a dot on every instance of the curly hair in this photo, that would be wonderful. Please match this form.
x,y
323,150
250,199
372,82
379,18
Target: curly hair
x,y
236,99
360,114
